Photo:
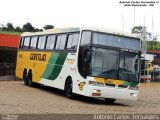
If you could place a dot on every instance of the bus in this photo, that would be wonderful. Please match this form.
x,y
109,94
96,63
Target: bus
x,y
92,62
146,71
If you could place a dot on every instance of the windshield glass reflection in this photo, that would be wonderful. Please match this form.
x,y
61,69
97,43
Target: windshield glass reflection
x,y
114,64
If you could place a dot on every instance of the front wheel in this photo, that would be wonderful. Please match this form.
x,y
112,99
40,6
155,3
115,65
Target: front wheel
x,y
68,89
109,100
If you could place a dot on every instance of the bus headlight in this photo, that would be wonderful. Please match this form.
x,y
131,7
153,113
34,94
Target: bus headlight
x,y
94,83
133,94
133,88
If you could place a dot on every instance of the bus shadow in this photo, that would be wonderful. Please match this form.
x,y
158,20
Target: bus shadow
x,y
51,90
98,101
79,98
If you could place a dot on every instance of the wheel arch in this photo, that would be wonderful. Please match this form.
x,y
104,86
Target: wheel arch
x,y
24,72
67,79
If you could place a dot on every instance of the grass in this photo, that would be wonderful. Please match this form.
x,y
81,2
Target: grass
x,y
10,32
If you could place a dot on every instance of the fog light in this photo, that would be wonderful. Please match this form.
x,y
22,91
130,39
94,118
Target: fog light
x,y
133,94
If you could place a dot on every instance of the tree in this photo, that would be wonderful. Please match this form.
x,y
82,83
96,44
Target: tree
x,y
149,40
28,27
137,29
37,30
10,26
4,29
48,27
18,29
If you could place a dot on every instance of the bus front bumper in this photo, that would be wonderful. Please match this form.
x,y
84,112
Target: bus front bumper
x,y
111,92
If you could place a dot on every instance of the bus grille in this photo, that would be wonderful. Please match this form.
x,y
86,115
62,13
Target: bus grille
x,y
119,86
112,85
122,86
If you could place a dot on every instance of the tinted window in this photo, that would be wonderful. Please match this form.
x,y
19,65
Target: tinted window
x,y
26,42
116,41
41,42
86,37
61,41
33,42
21,43
50,42
72,41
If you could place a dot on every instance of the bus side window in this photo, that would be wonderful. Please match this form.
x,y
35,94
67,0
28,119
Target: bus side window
x,y
72,41
86,37
41,42
21,43
26,42
61,42
33,43
50,42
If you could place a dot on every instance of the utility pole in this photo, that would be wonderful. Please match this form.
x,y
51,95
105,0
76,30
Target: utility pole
x,y
122,22
153,38
144,36
134,18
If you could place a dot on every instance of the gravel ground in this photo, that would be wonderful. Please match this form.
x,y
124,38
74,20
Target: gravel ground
x,y
16,98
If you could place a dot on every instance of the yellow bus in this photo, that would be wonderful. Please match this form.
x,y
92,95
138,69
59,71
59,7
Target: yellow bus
x,y
92,62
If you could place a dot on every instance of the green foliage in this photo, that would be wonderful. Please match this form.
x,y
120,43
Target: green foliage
x,y
137,29
4,29
48,27
38,30
28,27
153,45
18,29
10,27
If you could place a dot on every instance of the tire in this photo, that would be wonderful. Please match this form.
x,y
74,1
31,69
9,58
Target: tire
x,y
25,78
109,100
29,79
68,89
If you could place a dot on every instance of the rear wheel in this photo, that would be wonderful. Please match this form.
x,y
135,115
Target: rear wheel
x,y
25,78
29,79
109,100
68,89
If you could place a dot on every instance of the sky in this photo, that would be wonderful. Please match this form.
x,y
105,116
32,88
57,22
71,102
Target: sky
x,y
80,13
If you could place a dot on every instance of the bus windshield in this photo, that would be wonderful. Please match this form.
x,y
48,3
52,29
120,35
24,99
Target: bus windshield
x,y
116,41
114,64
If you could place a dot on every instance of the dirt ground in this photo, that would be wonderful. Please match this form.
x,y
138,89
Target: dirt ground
x,y
16,98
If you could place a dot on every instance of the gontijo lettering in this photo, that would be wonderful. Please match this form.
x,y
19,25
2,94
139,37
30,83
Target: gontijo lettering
x,y
40,57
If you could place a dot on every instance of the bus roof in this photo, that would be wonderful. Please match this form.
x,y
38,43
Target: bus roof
x,y
65,30
51,31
